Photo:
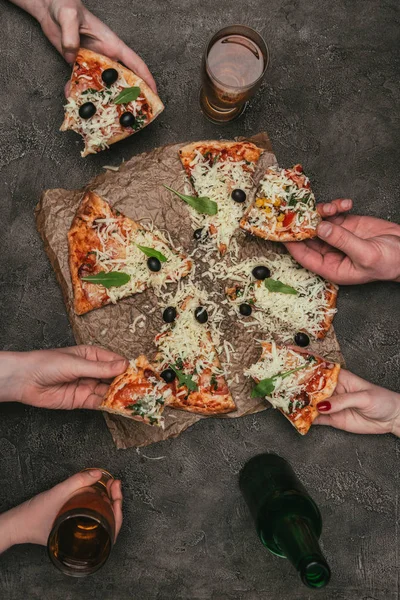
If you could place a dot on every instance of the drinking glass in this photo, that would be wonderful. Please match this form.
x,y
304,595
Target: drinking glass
x,y
234,63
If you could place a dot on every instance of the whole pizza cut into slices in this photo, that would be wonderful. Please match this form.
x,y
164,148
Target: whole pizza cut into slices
x,y
282,296
223,173
138,394
188,361
284,209
112,257
107,102
294,382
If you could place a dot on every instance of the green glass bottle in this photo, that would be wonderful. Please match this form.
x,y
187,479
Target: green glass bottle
x,y
287,520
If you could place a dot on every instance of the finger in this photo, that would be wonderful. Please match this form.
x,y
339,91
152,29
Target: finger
x,y
81,367
91,395
131,60
69,21
92,353
74,483
329,209
342,239
116,496
357,400
308,257
67,89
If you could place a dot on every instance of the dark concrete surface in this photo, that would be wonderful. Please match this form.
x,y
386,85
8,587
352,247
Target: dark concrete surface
x,y
331,101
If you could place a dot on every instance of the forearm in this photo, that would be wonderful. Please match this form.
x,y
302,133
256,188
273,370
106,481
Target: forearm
x,y
33,7
12,365
9,529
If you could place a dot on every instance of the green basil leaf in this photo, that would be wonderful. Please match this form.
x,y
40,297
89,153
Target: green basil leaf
x,y
185,380
273,285
111,279
151,252
265,387
129,94
203,204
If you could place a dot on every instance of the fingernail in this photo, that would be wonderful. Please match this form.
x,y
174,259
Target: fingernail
x,y
324,406
324,229
345,204
120,363
96,473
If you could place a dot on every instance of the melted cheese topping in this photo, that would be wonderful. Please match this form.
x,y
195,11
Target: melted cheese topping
x,y
120,253
99,129
217,181
272,365
276,312
277,196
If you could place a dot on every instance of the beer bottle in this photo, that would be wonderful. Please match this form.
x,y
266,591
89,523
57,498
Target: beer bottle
x,y
287,520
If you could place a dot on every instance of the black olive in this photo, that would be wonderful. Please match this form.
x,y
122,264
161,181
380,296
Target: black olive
x,y
201,315
301,339
238,195
154,264
169,314
168,375
87,110
245,309
109,76
261,272
127,119
198,234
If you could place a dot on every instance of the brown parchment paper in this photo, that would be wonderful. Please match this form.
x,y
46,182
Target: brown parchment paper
x,y
137,191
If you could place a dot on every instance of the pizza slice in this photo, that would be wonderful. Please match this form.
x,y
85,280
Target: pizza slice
x,y
294,382
188,361
284,209
283,297
138,394
112,257
107,102
222,172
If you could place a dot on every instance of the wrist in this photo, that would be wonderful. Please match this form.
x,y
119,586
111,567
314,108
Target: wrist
x,y
10,533
11,367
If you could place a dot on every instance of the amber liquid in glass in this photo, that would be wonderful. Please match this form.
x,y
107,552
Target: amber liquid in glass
x,y
233,67
83,532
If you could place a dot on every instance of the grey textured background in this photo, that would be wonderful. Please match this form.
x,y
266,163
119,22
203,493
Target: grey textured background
x,y
330,101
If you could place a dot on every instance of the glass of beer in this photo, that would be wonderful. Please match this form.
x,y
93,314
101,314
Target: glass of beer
x,y
234,64
83,532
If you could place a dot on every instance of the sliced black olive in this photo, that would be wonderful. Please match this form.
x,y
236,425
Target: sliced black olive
x,y
127,119
261,272
168,375
109,76
87,110
201,314
301,339
238,195
199,234
169,314
245,309
154,264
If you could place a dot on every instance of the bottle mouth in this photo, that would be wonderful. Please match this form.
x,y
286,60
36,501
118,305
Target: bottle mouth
x,y
316,574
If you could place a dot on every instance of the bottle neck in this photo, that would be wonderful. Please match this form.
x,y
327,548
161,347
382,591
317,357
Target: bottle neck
x,y
299,544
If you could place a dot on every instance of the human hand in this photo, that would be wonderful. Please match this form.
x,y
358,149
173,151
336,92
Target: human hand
x,y
361,407
69,25
31,522
63,378
352,249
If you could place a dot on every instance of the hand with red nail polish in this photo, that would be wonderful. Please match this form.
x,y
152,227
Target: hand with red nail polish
x,y
360,407
350,249
62,378
31,522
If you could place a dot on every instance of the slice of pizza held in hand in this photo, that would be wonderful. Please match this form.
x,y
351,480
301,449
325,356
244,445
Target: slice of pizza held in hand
x,y
221,174
284,209
188,361
139,394
112,257
294,382
107,102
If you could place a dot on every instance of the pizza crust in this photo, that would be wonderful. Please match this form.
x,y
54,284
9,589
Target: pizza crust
x,y
284,236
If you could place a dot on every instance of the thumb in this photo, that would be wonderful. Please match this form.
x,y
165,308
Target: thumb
x,y
69,20
72,484
339,402
339,237
98,369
